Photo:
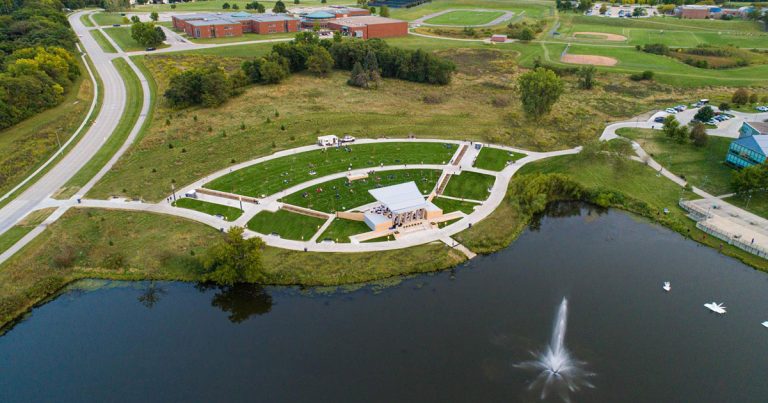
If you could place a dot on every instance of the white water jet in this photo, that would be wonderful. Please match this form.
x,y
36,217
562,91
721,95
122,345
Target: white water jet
x,y
558,370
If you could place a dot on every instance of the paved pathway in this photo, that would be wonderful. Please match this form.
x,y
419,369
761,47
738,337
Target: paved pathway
x,y
504,17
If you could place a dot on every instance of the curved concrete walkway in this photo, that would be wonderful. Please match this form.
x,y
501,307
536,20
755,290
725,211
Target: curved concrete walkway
x,y
504,17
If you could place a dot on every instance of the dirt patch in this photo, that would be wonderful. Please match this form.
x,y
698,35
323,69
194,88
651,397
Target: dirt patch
x,y
589,59
600,35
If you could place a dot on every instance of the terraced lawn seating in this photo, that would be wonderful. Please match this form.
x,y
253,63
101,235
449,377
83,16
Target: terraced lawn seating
x,y
340,195
229,213
285,224
469,185
450,205
279,174
462,18
340,230
495,159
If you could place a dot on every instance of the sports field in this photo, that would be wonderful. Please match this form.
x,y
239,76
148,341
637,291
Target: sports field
x,y
286,224
282,173
465,17
340,195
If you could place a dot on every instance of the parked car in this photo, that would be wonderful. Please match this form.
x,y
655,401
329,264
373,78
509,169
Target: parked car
x,y
671,111
681,108
712,122
478,146
762,108
115,25
659,119
347,139
149,49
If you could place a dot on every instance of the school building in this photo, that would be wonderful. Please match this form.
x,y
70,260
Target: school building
x,y
210,25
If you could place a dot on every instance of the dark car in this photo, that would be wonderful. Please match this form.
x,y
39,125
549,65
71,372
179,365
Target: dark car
x,y
150,49
115,25
659,119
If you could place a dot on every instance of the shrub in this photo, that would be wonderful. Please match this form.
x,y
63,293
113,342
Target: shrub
x,y
740,97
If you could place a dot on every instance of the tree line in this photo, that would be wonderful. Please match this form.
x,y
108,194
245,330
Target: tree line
x,y
37,61
368,62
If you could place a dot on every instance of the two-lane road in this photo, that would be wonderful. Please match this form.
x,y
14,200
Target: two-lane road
x,y
114,102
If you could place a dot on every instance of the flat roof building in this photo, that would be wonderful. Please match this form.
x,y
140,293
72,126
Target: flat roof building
x,y
400,206
215,25
369,27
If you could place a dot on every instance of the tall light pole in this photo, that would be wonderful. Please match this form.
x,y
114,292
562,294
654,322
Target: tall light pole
x,y
173,189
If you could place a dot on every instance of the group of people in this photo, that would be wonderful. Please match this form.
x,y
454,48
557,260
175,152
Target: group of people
x,y
399,219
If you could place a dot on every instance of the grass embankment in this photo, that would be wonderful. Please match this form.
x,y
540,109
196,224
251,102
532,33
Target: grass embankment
x,y
272,176
229,213
28,144
451,205
244,38
123,39
18,231
495,159
703,167
470,185
86,20
118,136
89,243
285,224
340,230
464,18
340,195
479,104
105,45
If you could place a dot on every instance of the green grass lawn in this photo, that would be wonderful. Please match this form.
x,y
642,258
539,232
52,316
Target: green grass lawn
x,y
105,45
117,138
339,195
757,204
465,17
703,167
495,159
469,185
286,224
244,38
278,174
18,231
108,18
229,213
123,39
450,205
340,230
86,20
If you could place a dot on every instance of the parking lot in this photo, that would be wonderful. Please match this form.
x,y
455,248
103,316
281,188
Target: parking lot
x,y
624,11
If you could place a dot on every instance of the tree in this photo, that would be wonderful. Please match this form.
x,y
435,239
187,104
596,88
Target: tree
x,y
135,19
173,6
154,16
603,8
358,77
699,134
587,77
750,179
704,114
235,6
673,129
539,90
526,34
384,11
146,35
753,98
740,97
234,259
585,5
724,107
274,69
225,6
279,7
320,62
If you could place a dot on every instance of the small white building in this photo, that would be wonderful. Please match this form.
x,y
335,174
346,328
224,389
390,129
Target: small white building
x,y
325,141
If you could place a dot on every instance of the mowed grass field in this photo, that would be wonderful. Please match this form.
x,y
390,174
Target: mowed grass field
x,y
531,8
109,19
123,39
703,167
272,176
495,159
216,5
340,195
286,224
451,205
229,213
340,230
469,185
465,17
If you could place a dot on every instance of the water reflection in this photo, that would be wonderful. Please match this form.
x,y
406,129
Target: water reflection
x,y
566,209
151,295
241,301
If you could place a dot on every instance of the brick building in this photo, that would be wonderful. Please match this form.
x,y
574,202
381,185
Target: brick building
x,y
694,12
235,24
369,27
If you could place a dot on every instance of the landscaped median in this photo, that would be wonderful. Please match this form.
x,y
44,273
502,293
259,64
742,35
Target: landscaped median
x,y
226,212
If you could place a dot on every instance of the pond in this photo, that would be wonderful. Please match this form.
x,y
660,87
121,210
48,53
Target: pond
x,y
457,335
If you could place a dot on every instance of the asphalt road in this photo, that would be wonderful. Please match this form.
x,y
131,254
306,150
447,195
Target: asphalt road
x,y
114,102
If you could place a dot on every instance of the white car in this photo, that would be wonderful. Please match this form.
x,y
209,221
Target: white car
x,y
347,139
762,108
671,111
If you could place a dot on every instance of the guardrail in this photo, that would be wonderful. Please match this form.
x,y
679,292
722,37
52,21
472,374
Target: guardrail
x,y
732,239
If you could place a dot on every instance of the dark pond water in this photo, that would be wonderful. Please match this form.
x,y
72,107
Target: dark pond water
x,y
452,336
